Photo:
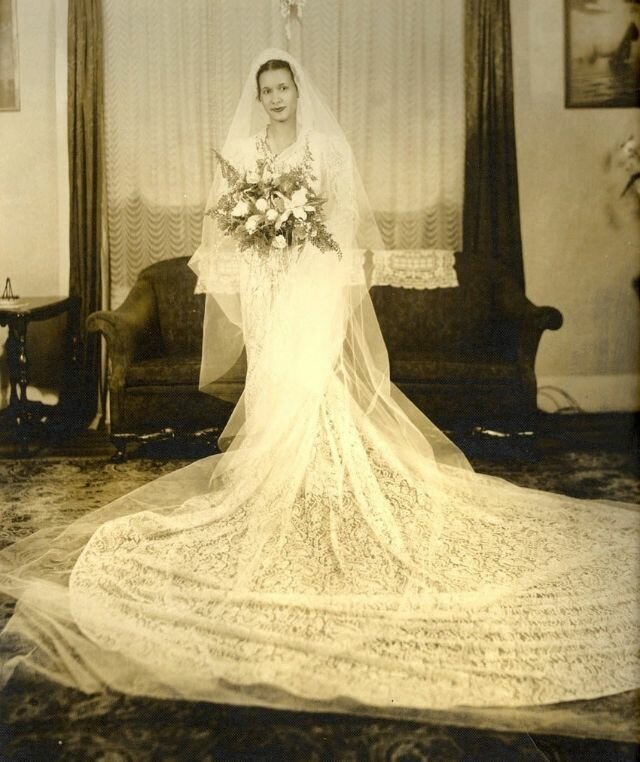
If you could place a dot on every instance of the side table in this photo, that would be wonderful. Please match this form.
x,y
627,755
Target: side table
x,y
22,414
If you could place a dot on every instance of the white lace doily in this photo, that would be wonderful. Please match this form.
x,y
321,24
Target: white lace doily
x,y
414,268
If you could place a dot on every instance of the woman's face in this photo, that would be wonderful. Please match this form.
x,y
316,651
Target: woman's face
x,y
278,95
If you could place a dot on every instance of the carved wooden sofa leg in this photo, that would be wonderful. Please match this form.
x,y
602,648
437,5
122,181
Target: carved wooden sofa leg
x,y
120,441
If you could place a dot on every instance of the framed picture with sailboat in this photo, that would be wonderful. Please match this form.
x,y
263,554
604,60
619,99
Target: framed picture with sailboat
x,y
602,53
9,81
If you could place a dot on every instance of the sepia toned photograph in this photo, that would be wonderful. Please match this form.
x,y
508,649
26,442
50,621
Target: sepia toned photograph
x,y
9,70
320,383
602,53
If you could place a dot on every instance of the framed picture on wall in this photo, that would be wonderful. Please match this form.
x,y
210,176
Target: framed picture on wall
x,y
9,80
602,53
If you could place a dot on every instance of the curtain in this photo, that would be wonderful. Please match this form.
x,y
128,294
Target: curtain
x,y
392,71
86,181
491,204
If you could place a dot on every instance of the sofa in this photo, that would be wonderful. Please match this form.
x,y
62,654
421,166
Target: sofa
x,y
465,355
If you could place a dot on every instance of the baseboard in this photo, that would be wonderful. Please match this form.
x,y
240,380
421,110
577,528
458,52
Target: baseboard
x,y
591,394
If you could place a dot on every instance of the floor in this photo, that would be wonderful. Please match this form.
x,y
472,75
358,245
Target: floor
x,y
59,724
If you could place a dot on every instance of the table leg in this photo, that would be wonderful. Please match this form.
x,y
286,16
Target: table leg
x,y
69,393
12,364
19,378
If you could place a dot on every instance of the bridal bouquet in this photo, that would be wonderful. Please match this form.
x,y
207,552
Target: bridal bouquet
x,y
267,211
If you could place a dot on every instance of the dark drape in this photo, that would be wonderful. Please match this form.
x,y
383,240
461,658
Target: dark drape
x,y
491,216
86,180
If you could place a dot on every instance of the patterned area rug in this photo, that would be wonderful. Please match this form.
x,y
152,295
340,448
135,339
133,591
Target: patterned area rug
x,y
41,721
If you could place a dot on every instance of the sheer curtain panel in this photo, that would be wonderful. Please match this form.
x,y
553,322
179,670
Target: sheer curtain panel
x,y
391,71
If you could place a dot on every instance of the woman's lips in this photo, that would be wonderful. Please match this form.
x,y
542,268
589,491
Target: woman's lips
x,y
278,108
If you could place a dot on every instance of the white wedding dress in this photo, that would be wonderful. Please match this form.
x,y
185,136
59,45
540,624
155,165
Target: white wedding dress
x,y
341,550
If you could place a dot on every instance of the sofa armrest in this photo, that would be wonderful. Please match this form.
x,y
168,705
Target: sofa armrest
x,y
523,311
529,320
130,330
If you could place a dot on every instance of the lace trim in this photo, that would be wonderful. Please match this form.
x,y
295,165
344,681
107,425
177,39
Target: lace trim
x,y
417,269
414,268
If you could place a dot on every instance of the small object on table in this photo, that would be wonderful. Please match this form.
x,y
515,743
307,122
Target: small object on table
x,y
8,298
8,291
22,414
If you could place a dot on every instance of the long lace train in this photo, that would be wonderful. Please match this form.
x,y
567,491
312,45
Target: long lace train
x,y
341,550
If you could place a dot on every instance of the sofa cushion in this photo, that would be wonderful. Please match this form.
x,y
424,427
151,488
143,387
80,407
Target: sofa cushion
x,y
185,370
151,408
429,370
177,370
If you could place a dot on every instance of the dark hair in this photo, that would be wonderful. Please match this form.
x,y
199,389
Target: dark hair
x,y
273,65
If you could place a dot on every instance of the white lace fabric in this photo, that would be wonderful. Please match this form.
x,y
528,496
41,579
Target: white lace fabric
x,y
359,584
418,269
341,551
338,567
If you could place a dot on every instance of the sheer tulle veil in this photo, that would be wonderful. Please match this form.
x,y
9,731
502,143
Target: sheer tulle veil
x,y
363,356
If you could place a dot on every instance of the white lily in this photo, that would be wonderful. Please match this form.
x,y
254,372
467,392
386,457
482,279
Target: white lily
x,y
251,224
261,205
299,197
241,209
296,206
279,242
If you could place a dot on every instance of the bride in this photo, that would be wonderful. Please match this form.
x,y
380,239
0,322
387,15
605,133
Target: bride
x,y
340,549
